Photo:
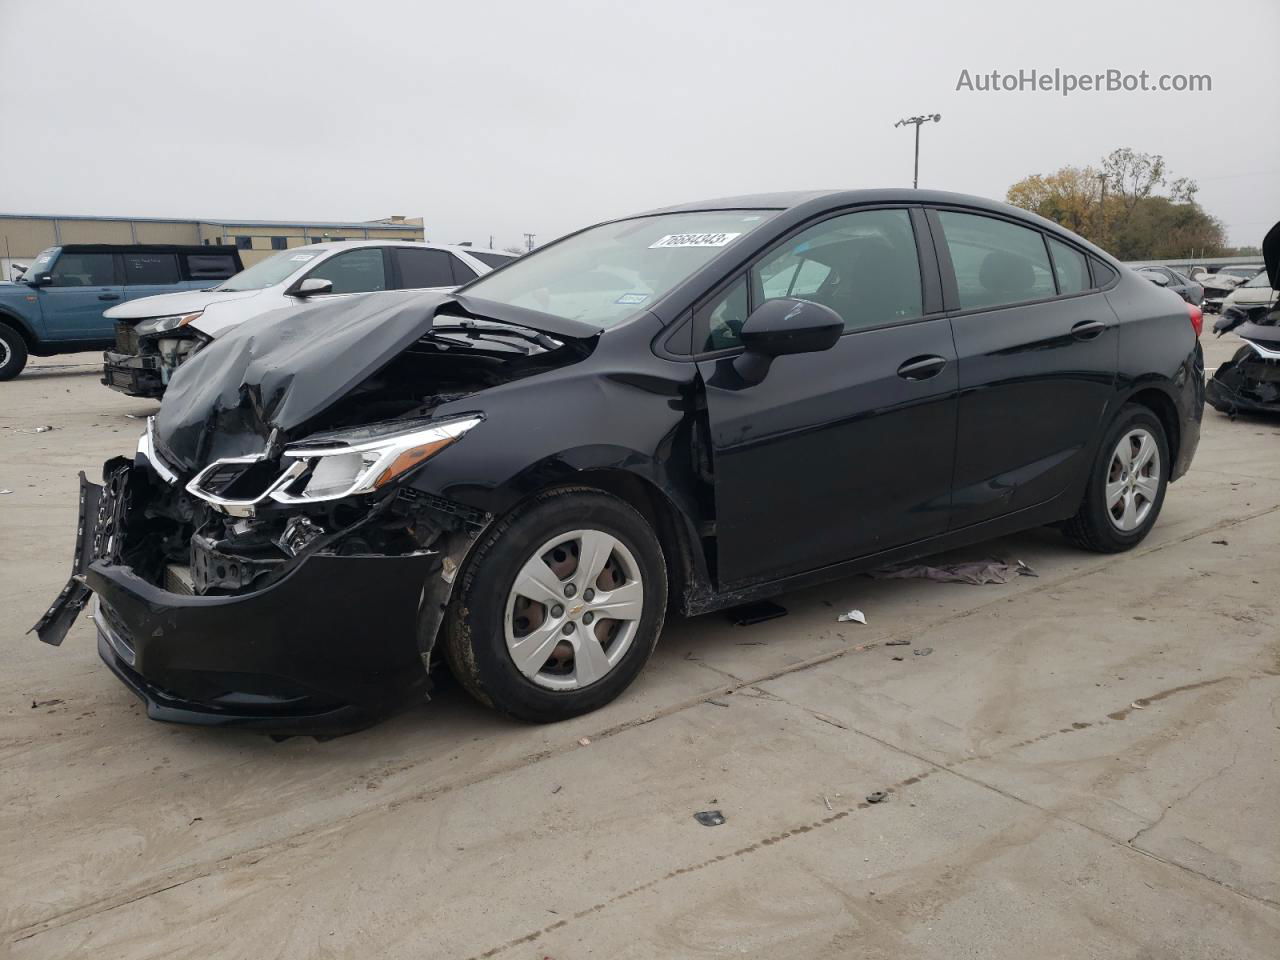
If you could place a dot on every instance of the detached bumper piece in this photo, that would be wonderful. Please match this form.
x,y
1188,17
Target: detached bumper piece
x,y
1245,383
327,646
137,376
327,649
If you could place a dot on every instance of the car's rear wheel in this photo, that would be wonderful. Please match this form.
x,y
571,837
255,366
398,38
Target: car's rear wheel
x,y
558,607
1127,487
13,352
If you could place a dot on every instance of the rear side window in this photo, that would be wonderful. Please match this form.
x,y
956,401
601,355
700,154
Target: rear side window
x,y
210,266
996,262
423,268
84,270
494,260
1102,274
358,271
1070,267
150,268
461,272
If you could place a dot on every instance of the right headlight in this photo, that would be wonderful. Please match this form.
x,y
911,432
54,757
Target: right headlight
x,y
156,325
364,460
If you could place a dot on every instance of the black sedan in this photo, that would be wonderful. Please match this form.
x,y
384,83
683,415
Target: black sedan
x,y
687,409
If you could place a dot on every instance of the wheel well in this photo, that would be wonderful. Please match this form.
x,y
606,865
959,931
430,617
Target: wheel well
x,y
8,320
1159,403
682,570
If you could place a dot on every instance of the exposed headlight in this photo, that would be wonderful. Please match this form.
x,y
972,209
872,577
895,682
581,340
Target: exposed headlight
x,y
156,325
364,460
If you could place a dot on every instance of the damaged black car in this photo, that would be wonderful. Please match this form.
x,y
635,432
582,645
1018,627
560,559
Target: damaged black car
x,y
685,410
1250,381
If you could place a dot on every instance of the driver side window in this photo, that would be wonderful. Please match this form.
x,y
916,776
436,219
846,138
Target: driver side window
x,y
863,265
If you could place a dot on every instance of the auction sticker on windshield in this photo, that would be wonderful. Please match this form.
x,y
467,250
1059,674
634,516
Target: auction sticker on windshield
x,y
695,240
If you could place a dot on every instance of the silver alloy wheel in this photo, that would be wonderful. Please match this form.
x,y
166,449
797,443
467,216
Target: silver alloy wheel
x,y
1133,480
5,353
574,609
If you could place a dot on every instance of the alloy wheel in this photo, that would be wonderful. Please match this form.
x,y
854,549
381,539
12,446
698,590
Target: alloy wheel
x,y
5,354
1133,480
574,609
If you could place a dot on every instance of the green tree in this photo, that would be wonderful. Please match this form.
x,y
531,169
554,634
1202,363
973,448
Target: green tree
x,y
1117,205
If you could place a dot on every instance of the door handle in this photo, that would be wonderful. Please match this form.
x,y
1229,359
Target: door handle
x,y
1087,329
108,296
921,368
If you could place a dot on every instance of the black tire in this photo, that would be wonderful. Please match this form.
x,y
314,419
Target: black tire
x,y
13,352
474,636
1092,528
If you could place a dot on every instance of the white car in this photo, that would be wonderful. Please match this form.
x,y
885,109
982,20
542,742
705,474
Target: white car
x,y
156,334
1252,293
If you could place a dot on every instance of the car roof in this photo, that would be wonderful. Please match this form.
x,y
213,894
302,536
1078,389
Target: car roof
x,y
814,202
374,242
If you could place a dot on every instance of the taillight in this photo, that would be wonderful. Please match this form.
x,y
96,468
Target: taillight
x,y
1197,318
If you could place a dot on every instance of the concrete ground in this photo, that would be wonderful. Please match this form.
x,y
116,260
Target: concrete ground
x,y
1084,766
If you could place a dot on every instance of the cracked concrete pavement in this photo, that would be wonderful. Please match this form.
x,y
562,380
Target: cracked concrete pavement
x,y
1085,765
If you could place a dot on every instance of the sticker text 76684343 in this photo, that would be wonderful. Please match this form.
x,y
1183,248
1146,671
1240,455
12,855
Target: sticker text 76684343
x,y
695,240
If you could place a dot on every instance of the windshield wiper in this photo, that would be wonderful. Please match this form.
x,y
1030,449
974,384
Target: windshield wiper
x,y
476,330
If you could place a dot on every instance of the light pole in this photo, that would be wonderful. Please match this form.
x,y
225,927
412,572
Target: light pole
x,y
935,117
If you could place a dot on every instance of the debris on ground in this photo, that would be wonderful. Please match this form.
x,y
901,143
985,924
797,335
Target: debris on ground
x,y
1221,543
584,741
826,801
749,614
897,643
922,651
195,820
715,703
2,492
856,616
45,703
709,818
899,658
558,788
974,572
44,429
878,797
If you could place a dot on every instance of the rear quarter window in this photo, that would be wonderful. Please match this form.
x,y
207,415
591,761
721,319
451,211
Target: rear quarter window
x,y
211,266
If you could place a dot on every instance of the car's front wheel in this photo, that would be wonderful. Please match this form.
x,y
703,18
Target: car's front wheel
x,y
1127,487
558,606
13,352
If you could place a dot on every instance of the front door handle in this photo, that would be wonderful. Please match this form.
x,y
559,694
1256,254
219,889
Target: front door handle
x,y
921,368
108,296
1087,329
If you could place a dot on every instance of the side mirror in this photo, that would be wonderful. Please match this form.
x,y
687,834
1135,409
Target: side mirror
x,y
39,280
785,326
312,287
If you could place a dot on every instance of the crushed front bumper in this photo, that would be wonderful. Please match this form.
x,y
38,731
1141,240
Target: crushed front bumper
x,y
329,647
137,376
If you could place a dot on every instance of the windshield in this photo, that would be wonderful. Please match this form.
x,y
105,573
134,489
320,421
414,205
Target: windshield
x,y
608,273
269,272
1259,281
41,263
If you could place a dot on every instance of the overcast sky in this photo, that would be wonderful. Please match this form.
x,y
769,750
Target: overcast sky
x,y
493,117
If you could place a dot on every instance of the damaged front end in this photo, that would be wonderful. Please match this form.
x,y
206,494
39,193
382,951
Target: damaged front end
x,y
271,564
147,354
237,599
1250,380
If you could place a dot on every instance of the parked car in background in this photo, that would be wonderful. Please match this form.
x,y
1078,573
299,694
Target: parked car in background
x,y
57,305
155,336
1250,380
1218,286
1188,289
721,401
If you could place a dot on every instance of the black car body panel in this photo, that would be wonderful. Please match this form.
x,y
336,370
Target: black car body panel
x,y
900,440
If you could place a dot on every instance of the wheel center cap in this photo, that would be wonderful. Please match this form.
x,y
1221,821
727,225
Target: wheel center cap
x,y
576,609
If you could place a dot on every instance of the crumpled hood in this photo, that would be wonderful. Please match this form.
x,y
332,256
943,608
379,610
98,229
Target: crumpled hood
x,y
278,370
168,304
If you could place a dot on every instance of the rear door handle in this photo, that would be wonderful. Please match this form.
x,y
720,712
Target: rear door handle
x,y
108,296
1087,329
921,368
